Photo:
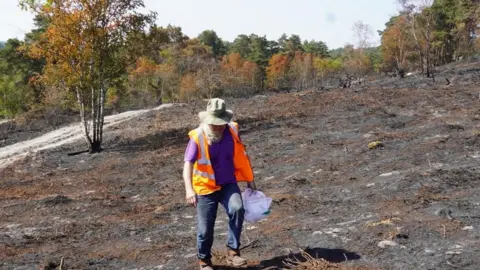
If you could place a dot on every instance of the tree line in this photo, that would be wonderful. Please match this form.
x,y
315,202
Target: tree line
x,y
430,33
95,56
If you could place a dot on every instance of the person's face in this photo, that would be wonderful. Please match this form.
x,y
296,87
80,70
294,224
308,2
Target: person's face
x,y
217,129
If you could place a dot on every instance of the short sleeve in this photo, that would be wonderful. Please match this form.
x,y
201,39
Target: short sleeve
x,y
191,153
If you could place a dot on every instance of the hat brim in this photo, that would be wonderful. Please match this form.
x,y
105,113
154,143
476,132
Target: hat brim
x,y
210,119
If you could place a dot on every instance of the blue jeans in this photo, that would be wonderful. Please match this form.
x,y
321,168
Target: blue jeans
x,y
231,199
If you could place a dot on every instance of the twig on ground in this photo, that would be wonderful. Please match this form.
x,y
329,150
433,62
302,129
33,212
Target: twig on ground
x,y
61,264
452,265
252,243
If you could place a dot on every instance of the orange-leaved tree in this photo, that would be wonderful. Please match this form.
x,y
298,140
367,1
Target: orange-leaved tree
x,y
151,80
84,47
397,44
277,71
240,77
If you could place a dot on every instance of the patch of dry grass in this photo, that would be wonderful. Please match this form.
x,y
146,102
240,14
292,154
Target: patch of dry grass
x,y
385,221
395,135
307,262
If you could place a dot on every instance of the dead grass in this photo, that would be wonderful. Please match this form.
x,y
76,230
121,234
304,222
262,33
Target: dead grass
x,y
447,227
12,251
307,262
428,194
395,135
30,191
367,101
386,221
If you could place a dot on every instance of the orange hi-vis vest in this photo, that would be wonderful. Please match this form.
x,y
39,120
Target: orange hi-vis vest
x,y
203,178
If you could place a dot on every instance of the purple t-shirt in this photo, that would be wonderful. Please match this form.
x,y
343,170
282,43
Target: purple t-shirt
x,y
221,156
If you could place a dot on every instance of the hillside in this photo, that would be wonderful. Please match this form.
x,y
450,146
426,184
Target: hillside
x,y
411,204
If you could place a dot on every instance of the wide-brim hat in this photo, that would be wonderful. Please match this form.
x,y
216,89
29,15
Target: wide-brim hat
x,y
216,113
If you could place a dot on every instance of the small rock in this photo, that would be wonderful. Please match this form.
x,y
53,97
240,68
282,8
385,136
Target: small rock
x,y
429,251
88,234
370,185
467,228
375,144
389,174
368,135
386,243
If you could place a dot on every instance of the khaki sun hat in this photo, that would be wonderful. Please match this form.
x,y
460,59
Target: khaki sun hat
x,y
216,113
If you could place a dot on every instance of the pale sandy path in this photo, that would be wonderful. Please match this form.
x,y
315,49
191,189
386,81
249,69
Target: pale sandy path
x,y
74,132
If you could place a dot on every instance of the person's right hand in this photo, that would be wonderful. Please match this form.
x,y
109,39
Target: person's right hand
x,y
191,197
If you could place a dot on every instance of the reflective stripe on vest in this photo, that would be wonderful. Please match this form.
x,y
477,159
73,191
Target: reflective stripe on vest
x,y
234,128
203,160
203,174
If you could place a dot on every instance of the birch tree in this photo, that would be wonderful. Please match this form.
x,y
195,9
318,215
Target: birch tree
x,y
83,48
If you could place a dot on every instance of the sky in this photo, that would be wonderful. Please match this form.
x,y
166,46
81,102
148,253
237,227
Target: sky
x,y
329,21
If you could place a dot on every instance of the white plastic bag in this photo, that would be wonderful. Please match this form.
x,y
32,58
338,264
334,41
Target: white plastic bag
x,y
256,205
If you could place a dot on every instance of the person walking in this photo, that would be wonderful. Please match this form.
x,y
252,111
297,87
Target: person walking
x,y
215,161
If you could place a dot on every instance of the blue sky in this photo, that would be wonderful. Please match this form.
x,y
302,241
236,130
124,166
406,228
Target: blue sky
x,y
326,20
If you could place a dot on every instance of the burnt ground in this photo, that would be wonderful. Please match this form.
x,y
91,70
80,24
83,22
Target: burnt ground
x,y
412,203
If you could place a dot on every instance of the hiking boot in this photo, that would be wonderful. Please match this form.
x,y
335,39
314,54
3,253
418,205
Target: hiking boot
x,y
234,259
206,265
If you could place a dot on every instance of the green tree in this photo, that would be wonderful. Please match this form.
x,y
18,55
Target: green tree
x,y
210,38
282,42
40,26
259,53
256,49
376,58
241,45
445,14
318,48
18,83
294,43
336,53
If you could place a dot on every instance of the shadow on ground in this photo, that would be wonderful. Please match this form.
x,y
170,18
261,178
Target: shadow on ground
x,y
155,141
